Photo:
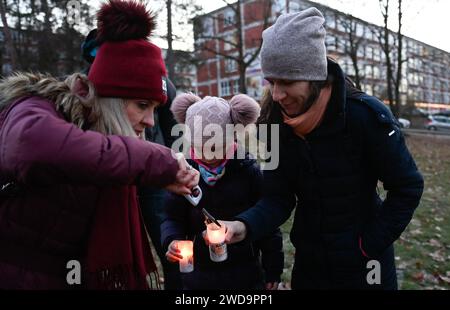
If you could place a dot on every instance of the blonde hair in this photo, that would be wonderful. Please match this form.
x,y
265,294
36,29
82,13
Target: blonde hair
x,y
75,98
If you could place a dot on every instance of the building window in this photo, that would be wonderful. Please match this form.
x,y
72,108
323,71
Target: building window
x,y
411,63
340,26
331,21
369,71
294,7
360,52
418,49
229,42
207,26
369,52
225,88
351,69
230,65
445,85
360,30
228,19
376,72
415,79
376,90
279,7
438,84
337,43
367,88
236,87
376,54
330,42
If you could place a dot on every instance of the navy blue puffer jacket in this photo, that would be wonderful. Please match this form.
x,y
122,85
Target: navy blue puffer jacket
x,y
340,222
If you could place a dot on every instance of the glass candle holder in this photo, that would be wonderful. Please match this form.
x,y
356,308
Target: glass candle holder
x,y
186,248
217,246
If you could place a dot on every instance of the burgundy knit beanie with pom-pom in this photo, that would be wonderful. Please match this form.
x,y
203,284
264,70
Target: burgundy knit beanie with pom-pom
x,y
126,64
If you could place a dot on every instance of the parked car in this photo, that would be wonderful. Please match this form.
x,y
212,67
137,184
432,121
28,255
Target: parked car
x,y
438,122
404,123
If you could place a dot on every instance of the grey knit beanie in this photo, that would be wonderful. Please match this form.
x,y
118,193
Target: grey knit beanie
x,y
294,47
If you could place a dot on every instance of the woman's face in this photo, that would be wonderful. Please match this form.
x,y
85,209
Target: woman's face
x,y
140,113
291,95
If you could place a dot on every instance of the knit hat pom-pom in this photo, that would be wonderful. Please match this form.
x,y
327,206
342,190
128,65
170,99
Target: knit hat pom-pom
x,y
244,110
120,20
181,104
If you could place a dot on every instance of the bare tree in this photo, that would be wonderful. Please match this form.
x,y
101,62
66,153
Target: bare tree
x,y
238,52
179,14
9,43
170,63
400,61
44,40
350,25
47,49
386,40
383,38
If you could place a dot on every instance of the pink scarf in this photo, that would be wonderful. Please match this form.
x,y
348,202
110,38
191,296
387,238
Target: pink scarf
x,y
308,121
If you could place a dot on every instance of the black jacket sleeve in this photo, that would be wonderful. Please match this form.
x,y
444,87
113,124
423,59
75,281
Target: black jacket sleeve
x,y
175,220
272,255
275,206
390,158
271,246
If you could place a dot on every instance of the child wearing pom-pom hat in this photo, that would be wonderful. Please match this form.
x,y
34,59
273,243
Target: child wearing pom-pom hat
x,y
71,156
229,185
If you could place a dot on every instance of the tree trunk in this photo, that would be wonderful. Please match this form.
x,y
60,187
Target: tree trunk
x,y
169,57
9,43
357,77
241,64
396,111
386,50
354,53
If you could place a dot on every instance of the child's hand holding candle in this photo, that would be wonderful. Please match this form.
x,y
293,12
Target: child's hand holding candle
x,y
181,251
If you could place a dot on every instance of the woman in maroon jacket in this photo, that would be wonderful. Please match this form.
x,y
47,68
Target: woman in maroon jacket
x,y
70,161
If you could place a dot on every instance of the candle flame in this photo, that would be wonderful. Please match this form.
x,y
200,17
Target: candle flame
x,y
216,236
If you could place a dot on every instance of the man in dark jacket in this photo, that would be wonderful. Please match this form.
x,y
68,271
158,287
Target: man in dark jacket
x,y
336,143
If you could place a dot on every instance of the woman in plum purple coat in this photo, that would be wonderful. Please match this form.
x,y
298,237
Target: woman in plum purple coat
x,y
71,156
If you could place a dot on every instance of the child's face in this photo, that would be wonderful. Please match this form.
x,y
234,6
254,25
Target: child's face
x,y
210,155
212,162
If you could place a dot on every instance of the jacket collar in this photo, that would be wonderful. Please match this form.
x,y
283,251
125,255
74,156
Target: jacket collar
x,y
334,118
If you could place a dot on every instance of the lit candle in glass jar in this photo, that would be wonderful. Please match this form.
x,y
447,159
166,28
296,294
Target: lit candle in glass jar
x,y
187,251
217,245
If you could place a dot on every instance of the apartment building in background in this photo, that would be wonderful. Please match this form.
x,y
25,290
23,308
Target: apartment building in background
x,y
426,74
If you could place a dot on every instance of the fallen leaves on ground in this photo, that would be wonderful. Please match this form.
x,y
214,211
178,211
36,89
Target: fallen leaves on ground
x,y
437,256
